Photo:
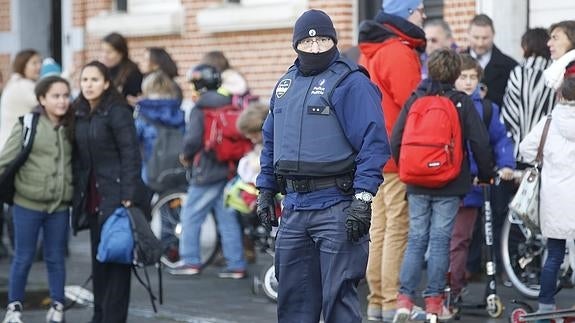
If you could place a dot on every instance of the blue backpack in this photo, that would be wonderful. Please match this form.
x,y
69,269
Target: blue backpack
x,y
116,239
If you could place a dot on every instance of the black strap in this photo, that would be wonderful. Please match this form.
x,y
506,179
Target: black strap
x,y
487,112
147,286
306,185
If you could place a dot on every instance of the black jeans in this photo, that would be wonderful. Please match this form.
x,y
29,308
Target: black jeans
x,y
111,284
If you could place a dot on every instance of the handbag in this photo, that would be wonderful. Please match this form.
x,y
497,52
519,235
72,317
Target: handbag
x,y
525,203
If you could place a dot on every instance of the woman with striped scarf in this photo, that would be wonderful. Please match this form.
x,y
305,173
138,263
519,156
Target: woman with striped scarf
x,y
527,99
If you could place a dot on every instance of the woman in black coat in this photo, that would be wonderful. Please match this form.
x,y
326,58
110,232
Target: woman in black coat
x,y
107,166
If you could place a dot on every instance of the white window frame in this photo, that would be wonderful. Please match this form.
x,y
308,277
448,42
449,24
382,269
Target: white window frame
x,y
250,15
143,18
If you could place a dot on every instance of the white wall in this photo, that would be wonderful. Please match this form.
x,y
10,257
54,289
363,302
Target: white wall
x,y
543,13
510,20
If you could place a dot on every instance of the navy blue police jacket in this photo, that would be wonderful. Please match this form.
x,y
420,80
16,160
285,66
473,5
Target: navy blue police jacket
x,y
355,102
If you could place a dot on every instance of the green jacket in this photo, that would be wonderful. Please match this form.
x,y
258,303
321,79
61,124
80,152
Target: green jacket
x,y
44,182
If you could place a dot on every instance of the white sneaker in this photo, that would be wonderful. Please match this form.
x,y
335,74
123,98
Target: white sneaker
x,y
55,313
13,313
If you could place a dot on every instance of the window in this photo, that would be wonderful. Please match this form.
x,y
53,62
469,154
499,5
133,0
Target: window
x,y
433,9
121,5
140,18
250,15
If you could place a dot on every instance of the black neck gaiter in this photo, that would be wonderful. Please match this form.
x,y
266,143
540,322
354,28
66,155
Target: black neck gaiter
x,y
313,64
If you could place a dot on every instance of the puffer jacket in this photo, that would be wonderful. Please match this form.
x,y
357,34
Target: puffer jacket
x,y
558,174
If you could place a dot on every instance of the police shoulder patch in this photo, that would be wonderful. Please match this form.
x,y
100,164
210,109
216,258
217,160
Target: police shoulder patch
x,y
282,87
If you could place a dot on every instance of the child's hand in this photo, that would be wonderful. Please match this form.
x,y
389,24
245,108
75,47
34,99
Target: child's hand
x,y
183,160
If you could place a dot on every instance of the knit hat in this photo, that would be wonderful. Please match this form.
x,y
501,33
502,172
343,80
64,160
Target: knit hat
x,y
313,23
50,67
401,8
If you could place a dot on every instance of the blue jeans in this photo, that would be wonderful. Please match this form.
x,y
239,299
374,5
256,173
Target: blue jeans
x,y
548,279
318,269
431,220
201,200
27,225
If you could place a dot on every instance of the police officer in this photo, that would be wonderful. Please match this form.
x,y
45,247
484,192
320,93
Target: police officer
x,y
324,147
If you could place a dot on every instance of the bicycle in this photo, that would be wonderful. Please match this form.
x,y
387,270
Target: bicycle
x,y
524,253
166,210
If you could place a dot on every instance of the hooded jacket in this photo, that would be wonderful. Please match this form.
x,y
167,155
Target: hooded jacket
x,y
164,112
206,169
558,174
500,143
388,47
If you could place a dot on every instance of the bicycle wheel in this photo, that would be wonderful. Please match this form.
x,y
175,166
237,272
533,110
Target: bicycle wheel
x,y
523,255
270,283
166,226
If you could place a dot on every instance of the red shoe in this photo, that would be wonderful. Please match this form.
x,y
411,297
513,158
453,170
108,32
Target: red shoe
x,y
434,305
404,307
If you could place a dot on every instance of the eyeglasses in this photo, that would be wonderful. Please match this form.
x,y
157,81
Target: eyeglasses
x,y
322,42
420,10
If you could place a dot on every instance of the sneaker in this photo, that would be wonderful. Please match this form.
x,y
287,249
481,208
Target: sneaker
x,y
55,313
233,273
13,313
374,313
434,305
189,270
404,307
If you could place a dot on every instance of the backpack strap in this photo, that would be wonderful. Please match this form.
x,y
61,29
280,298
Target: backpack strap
x,y
487,112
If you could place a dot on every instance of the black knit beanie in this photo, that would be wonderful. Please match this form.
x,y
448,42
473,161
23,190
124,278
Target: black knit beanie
x,y
313,23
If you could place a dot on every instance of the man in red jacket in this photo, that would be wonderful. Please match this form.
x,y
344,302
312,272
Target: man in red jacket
x,y
390,46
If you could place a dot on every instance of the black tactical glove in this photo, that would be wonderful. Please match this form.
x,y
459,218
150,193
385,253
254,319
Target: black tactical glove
x,y
266,209
358,219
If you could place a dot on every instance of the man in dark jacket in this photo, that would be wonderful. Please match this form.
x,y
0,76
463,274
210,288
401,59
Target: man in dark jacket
x,y
432,210
496,70
496,65
206,191
324,144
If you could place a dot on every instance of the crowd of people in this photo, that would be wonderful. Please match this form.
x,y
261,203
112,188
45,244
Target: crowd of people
x,y
335,140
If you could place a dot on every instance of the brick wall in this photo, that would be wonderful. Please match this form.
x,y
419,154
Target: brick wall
x,y
458,13
5,15
261,56
5,22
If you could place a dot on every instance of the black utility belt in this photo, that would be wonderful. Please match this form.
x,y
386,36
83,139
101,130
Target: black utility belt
x,y
311,184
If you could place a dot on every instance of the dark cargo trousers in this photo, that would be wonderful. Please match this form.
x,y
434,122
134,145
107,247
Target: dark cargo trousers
x,y
318,269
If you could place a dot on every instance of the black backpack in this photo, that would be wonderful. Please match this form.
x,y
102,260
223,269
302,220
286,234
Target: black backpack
x,y
29,124
147,252
163,169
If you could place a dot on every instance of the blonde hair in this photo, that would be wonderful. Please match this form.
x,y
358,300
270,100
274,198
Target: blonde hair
x,y
252,118
158,85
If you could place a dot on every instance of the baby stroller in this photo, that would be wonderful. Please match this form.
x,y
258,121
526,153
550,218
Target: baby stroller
x,y
241,196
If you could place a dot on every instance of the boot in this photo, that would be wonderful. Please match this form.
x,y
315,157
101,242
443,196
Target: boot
x,y
55,313
13,313
434,305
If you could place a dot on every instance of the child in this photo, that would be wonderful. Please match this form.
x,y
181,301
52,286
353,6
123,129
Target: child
x,y
159,107
43,192
557,179
432,211
502,148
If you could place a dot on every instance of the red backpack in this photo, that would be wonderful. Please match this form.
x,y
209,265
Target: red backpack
x,y
432,149
221,135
